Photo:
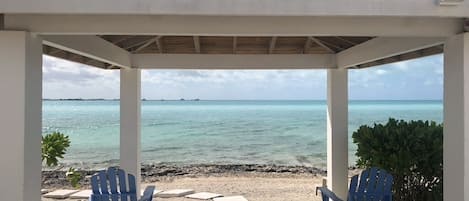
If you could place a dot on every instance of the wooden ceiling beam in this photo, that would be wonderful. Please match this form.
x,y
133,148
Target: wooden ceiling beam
x,y
321,43
54,51
272,44
382,48
149,42
109,66
307,44
159,44
129,47
372,8
254,26
234,61
197,44
466,25
346,41
120,40
93,47
2,21
235,40
333,45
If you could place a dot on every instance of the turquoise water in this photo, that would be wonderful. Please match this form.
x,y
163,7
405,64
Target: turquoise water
x,y
219,132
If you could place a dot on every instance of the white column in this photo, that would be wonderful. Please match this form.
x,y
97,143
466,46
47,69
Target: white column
x,y
456,119
20,116
337,131
130,103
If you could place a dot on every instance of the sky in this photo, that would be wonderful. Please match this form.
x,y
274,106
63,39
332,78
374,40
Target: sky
x,y
418,79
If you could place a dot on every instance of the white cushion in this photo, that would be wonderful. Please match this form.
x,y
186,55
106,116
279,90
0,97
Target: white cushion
x,y
81,195
60,194
44,191
174,193
203,195
231,198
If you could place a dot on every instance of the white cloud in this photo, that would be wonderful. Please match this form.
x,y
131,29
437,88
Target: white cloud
x,y
403,65
438,70
381,72
229,76
63,79
365,77
233,84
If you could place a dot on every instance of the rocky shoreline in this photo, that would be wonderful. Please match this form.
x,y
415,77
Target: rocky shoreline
x,y
161,172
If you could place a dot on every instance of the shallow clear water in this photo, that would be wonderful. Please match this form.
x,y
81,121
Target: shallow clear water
x,y
219,132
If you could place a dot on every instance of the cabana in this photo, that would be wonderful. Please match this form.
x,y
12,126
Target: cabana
x,y
128,36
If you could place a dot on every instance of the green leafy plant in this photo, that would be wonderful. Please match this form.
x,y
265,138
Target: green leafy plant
x,y
411,151
73,177
53,147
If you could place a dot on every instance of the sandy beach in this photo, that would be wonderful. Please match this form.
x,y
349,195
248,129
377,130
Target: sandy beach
x,y
262,182
252,187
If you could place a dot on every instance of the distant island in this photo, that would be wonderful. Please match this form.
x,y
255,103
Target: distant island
x,y
103,99
76,99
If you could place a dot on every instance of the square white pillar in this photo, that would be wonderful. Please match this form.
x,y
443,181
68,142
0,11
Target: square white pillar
x,y
337,131
20,116
130,114
456,119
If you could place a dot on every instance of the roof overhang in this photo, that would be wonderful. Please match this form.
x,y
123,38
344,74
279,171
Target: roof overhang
x,y
394,8
131,34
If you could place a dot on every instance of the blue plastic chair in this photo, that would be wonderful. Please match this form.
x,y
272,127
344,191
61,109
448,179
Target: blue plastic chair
x,y
111,185
374,185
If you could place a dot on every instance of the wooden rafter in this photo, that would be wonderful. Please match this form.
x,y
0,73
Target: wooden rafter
x,y
321,43
55,51
96,48
346,41
372,50
235,39
120,40
149,42
2,22
197,44
70,56
272,44
109,66
138,44
307,44
466,24
83,59
234,61
217,45
159,44
46,49
333,45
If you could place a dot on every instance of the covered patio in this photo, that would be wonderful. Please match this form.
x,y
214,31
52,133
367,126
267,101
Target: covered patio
x,y
128,36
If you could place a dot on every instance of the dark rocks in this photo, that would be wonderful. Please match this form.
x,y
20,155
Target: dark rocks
x,y
156,172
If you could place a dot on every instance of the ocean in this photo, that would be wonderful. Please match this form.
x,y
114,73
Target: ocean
x,y
218,132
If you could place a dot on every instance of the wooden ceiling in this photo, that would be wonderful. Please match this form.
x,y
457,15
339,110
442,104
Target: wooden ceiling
x,y
232,45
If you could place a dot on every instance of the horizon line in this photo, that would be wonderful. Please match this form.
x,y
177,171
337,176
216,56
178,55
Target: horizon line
x,y
197,99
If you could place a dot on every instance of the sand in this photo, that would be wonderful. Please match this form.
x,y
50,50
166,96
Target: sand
x,y
254,187
254,182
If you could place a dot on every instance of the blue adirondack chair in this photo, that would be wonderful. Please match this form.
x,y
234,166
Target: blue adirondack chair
x,y
111,185
374,185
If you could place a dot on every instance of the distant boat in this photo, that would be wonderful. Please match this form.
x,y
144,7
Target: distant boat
x,y
182,99
196,99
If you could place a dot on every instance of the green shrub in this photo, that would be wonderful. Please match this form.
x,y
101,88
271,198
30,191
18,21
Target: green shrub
x,y
73,177
411,151
53,147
